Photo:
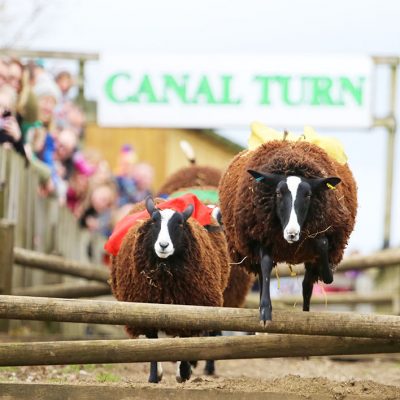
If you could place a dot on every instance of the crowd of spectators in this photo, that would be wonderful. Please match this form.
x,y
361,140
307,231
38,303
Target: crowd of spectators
x,y
40,120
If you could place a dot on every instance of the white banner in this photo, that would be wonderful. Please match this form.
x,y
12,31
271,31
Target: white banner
x,y
233,90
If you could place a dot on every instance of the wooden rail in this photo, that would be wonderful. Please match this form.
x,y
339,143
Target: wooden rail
x,y
381,259
351,298
50,263
167,316
186,349
27,258
65,290
98,391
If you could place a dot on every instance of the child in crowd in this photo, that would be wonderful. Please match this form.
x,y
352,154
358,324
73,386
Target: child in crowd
x,y
143,175
97,216
123,175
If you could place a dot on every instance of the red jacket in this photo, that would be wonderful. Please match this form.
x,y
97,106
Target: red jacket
x,y
201,213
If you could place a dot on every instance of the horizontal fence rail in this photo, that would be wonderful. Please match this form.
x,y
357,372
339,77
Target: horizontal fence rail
x,y
65,290
349,298
163,316
384,258
50,263
187,349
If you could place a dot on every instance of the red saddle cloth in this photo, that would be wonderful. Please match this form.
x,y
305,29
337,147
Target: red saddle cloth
x,y
201,213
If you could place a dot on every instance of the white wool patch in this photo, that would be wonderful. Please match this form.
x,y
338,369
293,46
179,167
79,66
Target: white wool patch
x,y
292,227
178,371
164,246
215,212
159,370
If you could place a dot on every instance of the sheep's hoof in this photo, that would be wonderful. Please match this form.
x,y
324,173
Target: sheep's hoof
x,y
265,316
209,368
155,379
185,372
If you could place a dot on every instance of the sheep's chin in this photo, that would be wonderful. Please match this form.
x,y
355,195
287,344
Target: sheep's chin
x,y
164,254
291,241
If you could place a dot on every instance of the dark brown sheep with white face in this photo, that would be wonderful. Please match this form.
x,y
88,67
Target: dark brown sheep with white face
x,y
278,206
170,258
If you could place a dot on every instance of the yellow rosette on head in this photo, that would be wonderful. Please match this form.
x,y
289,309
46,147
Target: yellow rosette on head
x,y
261,134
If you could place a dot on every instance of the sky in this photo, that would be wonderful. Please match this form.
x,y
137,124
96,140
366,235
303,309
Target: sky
x,y
262,27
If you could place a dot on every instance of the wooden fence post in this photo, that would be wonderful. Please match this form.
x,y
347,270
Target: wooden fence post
x,y
6,262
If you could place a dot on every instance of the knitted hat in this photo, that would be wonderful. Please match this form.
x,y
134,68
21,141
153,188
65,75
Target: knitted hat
x,y
45,86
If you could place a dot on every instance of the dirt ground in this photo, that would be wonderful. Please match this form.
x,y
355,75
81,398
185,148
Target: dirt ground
x,y
370,378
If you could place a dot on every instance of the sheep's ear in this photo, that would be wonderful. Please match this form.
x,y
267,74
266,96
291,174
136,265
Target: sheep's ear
x,y
150,205
188,212
265,177
324,183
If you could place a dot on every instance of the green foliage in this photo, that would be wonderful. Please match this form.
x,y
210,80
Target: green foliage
x,y
103,377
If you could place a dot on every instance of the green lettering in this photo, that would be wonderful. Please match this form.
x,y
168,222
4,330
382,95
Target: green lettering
x,y
109,87
284,82
355,90
226,91
265,81
321,91
179,88
145,90
204,91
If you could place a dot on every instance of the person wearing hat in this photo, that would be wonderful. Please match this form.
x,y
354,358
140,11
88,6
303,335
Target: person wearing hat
x,y
47,94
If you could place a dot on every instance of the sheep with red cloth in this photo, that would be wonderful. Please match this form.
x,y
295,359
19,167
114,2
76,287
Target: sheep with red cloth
x,y
162,255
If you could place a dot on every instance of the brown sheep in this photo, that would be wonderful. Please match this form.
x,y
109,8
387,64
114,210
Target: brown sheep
x,y
203,181
284,186
170,259
191,176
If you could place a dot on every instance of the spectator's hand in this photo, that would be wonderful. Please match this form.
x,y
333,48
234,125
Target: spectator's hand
x,y
92,223
12,128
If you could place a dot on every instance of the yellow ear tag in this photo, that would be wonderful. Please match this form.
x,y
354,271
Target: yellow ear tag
x,y
330,186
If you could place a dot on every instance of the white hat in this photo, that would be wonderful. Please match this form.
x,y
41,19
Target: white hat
x,y
45,86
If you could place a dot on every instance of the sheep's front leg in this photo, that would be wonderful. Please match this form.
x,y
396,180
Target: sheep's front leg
x,y
156,371
324,268
210,364
310,277
265,300
183,371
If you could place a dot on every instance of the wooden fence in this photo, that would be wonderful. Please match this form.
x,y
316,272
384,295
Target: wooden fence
x,y
293,334
33,222
168,316
187,349
383,259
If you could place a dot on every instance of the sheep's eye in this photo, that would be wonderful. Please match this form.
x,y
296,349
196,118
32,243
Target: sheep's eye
x,y
308,195
278,194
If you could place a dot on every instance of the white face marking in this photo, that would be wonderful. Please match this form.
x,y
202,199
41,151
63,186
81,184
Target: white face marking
x,y
164,246
291,232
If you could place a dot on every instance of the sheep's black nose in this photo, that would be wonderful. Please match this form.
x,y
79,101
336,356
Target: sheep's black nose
x,y
292,236
164,245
